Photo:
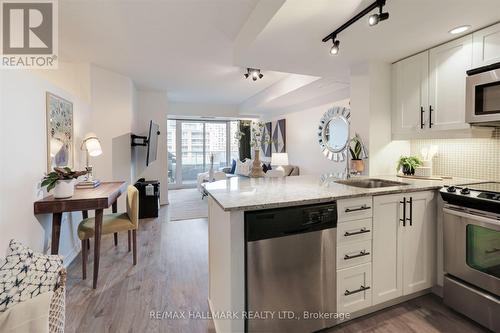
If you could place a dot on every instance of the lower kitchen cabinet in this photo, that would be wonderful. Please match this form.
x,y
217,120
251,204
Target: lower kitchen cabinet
x,y
404,229
354,288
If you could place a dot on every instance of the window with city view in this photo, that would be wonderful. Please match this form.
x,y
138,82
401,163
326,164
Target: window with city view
x,y
192,142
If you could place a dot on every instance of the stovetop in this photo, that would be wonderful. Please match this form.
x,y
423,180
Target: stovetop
x,y
483,196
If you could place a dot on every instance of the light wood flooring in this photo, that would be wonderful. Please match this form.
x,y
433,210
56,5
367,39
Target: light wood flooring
x,y
172,275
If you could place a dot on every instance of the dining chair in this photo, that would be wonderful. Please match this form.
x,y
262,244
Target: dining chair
x,y
112,224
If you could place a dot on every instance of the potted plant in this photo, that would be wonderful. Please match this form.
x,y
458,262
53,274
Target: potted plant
x,y
408,164
357,163
258,136
62,180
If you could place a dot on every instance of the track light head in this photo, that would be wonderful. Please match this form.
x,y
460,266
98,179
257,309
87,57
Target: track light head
x,y
373,19
253,73
335,48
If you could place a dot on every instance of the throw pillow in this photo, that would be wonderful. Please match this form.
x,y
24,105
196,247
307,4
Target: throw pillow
x,y
26,274
266,167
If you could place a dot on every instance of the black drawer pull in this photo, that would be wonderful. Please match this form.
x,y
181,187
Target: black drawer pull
x,y
360,254
362,288
350,210
422,117
404,212
361,231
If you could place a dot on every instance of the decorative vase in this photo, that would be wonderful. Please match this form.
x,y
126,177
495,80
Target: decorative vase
x,y
256,171
358,166
64,189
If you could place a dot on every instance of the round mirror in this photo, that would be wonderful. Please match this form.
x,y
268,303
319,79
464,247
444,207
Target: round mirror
x,y
333,133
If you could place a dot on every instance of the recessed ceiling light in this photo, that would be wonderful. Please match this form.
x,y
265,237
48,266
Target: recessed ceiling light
x,y
459,29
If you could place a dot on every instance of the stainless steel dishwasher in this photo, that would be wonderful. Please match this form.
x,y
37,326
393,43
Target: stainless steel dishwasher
x,y
290,268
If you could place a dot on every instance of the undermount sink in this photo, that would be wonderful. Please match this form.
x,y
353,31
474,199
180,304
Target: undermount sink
x,y
370,183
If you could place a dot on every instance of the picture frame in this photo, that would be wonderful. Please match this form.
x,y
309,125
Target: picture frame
x,y
60,132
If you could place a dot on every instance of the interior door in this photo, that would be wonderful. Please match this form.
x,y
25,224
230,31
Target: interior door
x,y
419,242
387,248
448,64
411,91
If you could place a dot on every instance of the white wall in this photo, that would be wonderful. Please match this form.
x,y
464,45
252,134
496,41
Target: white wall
x,y
371,117
302,141
23,155
203,110
152,105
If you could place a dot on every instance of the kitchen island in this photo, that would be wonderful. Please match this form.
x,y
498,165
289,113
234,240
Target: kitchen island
x,y
378,229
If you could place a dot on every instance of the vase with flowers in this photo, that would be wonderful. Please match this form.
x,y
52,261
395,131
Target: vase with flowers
x,y
258,136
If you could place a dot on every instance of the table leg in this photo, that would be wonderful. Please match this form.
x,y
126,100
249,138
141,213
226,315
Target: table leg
x,y
97,244
114,209
56,232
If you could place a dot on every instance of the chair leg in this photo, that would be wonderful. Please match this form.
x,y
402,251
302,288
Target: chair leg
x,y
134,243
88,244
129,240
84,258
116,238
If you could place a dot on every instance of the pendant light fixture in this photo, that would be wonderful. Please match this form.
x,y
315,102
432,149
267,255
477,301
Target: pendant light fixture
x,y
373,19
254,73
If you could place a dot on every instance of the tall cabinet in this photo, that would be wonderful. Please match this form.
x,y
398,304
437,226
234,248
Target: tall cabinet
x,y
404,228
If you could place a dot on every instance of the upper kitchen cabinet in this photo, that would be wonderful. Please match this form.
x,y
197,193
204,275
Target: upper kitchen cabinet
x,y
486,46
448,64
428,94
410,97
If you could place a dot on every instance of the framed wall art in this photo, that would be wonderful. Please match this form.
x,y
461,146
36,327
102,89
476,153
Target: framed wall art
x,y
59,132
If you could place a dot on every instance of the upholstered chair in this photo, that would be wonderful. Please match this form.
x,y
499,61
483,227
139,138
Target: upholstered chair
x,y
112,224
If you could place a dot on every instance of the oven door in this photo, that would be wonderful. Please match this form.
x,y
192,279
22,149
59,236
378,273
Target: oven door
x,y
483,97
472,247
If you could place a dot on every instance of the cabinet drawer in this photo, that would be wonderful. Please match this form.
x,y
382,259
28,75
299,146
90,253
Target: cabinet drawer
x,y
352,254
354,209
354,231
354,288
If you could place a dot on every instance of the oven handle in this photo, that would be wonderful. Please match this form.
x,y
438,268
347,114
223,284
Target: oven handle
x,y
485,218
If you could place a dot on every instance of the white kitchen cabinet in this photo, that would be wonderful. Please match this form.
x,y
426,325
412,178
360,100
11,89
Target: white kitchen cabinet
x,y
410,95
403,244
448,64
486,46
354,288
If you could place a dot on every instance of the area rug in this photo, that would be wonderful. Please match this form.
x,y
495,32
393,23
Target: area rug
x,y
186,204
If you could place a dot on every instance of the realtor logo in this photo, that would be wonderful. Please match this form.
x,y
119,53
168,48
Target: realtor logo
x,y
29,34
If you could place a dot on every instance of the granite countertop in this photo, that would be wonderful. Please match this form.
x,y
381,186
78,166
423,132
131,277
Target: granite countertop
x,y
239,193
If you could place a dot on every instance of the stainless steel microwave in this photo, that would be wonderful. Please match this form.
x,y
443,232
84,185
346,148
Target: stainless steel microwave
x,y
483,96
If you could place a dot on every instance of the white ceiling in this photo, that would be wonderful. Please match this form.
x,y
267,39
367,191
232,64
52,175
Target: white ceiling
x,y
292,38
182,46
194,49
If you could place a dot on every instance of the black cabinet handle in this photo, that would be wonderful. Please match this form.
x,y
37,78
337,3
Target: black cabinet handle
x,y
404,211
350,210
361,231
360,254
422,117
430,116
410,201
362,288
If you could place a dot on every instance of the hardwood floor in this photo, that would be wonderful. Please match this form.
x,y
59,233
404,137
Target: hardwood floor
x,y
172,275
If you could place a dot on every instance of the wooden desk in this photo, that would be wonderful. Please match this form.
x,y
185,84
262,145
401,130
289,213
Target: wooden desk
x,y
98,199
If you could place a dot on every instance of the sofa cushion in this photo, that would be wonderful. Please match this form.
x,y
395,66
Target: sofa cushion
x,y
266,167
233,167
244,168
26,274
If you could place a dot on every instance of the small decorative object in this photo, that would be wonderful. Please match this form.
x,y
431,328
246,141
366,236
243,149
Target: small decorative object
x,y
62,180
260,134
59,132
408,164
357,155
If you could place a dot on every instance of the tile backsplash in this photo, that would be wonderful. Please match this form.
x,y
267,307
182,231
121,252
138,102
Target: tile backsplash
x,y
469,158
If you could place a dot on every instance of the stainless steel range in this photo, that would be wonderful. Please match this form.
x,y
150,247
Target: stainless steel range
x,y
471,228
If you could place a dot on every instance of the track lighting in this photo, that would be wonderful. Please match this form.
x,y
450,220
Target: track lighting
x,y
335,48
372,20
254,74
